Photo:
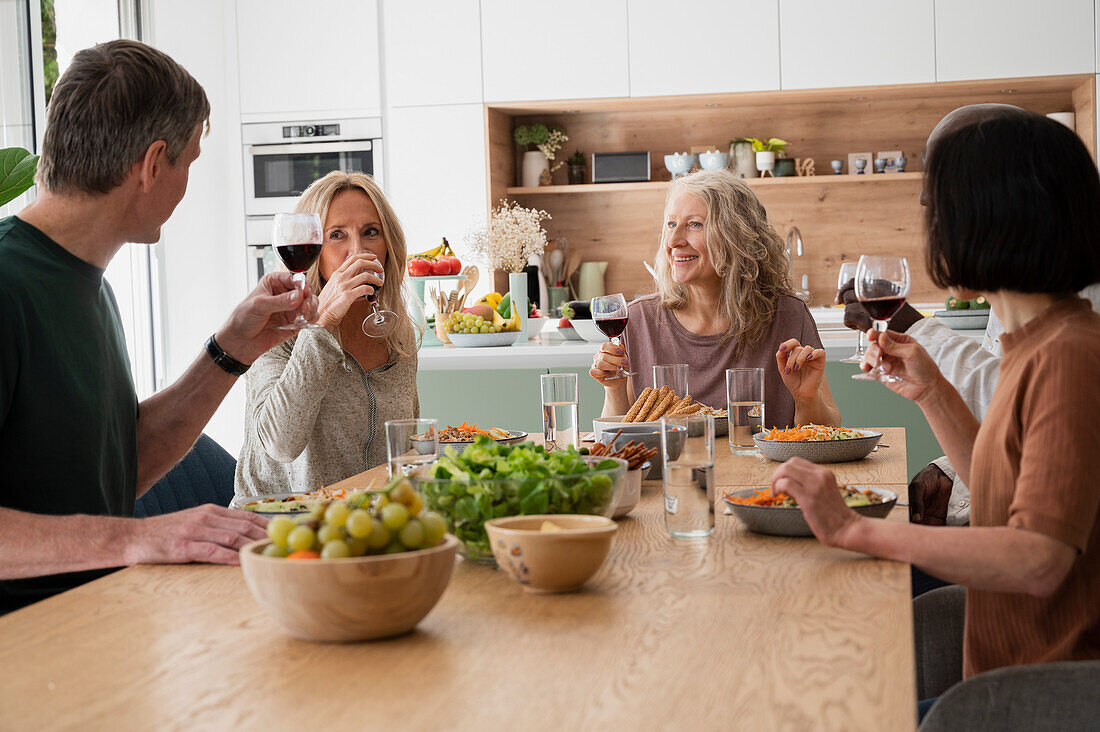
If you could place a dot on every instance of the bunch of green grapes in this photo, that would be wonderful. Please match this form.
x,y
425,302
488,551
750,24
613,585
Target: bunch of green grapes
x,y
469,323
394,521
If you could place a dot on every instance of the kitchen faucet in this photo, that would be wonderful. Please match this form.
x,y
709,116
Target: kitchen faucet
x,y
794,236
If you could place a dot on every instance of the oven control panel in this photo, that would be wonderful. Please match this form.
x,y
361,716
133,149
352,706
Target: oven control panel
x,y
292,131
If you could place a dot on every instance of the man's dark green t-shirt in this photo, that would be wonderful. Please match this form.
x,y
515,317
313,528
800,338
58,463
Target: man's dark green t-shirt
x,y
68,409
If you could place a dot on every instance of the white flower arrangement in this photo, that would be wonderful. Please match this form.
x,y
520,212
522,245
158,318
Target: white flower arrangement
x,y
510,237
554,141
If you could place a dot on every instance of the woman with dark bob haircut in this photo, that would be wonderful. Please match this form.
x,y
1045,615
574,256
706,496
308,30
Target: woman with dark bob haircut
x,y
1014,213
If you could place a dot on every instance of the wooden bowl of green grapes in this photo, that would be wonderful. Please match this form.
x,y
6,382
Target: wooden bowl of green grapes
x,y
370,566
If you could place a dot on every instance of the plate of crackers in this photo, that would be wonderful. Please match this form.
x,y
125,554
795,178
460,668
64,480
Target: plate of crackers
x,y
652,404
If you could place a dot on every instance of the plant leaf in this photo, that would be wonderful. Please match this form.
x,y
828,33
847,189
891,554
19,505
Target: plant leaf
x,y
17,168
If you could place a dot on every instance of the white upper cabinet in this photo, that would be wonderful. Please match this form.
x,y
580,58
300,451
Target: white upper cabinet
x,y
568,49
433,51
857,42
436,190
733,46
993,39
307,59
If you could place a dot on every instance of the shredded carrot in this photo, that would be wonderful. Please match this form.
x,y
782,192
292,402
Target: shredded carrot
x,y
811,432
762,497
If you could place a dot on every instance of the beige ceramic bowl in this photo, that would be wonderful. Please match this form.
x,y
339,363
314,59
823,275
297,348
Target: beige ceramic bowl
x,y
550,561
358,598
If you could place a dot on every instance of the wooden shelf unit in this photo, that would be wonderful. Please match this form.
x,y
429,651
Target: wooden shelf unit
x,y
840,217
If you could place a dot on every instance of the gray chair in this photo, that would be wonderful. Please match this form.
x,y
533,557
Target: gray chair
x,y
938,618
1047,696
1060,696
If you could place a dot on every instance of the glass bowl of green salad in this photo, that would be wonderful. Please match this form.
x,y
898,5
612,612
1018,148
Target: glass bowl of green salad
x,y
489,480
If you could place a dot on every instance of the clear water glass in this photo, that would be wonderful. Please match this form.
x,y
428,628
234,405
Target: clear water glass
x,y
674,376
745,405
687,443
560,412
411,443
847,274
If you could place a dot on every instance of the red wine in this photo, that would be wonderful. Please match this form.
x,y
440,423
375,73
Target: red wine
x,y
882,308
612,327
373,297
298,257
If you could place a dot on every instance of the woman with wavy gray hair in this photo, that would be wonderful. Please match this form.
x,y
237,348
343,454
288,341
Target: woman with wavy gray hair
x,y
724,300
318,402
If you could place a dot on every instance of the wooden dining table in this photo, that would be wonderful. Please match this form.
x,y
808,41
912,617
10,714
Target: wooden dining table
x,y
738,631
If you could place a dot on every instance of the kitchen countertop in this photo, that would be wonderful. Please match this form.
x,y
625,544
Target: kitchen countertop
x,y
550,350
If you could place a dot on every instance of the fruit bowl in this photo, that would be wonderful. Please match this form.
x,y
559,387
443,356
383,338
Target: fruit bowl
x,y
484,340
351,599
551,561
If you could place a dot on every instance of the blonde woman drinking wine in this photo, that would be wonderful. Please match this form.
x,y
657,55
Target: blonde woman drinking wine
x,y
317,403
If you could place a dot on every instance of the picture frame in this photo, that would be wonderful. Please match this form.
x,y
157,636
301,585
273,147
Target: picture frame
x,y
853,157
891,157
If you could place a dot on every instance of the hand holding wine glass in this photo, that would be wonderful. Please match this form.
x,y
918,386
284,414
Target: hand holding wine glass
x,y
378,323
298,239
882,284
349,283
848,274
610,315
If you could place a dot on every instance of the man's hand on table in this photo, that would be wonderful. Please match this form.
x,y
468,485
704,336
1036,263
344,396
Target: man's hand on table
x,y
202,534
856,318
929,493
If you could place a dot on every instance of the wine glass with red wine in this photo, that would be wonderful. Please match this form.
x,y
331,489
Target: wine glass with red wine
x,y
609,314
297,239
882,284
378,323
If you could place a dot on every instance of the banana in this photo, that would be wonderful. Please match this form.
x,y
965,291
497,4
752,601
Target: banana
x,y
438,251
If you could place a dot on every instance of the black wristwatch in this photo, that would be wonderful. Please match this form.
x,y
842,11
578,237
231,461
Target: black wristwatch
x,y
228,364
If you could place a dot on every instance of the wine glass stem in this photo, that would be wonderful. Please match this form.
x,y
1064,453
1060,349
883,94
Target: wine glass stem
x,y
861,344
880,327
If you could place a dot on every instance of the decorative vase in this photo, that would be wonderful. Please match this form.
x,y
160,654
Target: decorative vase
x,y
517,288
576,175
765,161
534,162
783,167
744,163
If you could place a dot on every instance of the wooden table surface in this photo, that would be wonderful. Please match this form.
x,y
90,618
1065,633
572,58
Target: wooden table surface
x,y
740,631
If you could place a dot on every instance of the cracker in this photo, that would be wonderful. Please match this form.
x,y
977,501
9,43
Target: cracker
x,y
633,413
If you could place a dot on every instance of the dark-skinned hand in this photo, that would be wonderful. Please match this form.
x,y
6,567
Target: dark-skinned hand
x,y
856,318
929,493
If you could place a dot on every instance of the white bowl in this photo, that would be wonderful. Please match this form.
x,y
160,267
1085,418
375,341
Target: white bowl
x,y
535,326
679,163
483,340
713,160
629,492
569,334
587,330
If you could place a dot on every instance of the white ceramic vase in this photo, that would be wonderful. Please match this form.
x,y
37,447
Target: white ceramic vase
x,y
765,161
517,288
534,162
742,160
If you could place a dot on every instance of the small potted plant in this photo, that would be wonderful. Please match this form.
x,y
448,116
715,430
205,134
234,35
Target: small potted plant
x,y
576,168
542,143
766,152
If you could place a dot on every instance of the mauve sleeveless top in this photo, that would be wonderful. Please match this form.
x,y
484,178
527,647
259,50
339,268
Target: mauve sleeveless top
x,y
654,337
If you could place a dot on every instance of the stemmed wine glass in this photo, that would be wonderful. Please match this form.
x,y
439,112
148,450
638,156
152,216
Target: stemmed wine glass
x,y
882,284
297,239
609,313
848,272
379,323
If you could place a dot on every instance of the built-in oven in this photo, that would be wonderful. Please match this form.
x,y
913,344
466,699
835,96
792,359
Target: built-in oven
x,y
281,159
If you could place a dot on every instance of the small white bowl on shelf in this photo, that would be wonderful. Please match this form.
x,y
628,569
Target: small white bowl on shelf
x,y
535,326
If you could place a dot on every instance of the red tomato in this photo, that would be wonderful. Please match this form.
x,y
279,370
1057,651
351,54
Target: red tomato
x,y
456,265
419,267
440,267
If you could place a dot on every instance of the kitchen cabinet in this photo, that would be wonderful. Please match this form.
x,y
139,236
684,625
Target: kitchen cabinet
x,y
435,177
306,60
991,39
734,47
571,49
433,52
856,42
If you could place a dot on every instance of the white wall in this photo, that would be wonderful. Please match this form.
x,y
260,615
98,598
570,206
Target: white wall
x,y
202,246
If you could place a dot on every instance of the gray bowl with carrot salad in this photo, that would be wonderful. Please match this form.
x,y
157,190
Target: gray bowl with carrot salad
x,y
781,516
817,443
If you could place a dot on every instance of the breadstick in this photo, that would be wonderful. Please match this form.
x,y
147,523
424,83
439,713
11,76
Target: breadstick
x,y
683,405
663,406
677,406
633,413
691,409
647,407
646,415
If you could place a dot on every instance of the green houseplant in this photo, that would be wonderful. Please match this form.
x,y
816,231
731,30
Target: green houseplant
x,y
766,151
17,169
543,143
576,168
